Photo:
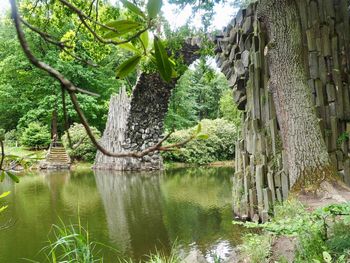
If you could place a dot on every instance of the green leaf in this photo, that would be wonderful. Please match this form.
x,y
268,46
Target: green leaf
x,y
153,8
2,176
127,46
144,38
127,66
133,8
3,208
199,128
162,59
203,136
5,194
13,177
122,27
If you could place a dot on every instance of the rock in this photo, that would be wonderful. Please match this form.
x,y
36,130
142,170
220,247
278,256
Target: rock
x,y
195,256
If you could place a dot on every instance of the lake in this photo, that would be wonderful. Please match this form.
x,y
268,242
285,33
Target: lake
x,y
134,213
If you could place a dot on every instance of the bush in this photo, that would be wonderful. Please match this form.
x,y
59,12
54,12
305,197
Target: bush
x,y
82,148
11,138
219,146
36,136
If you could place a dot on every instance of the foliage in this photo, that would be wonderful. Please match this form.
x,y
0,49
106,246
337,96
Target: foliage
x,y
36,136
229,110
196,96
323,234
3,195
27,94
256,248
218,147
81,148
71,244
11,138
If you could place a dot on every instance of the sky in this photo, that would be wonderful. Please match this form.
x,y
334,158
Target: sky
x,y
223,14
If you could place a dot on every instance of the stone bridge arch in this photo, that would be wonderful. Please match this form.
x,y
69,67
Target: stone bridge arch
x,y
261,170
136,123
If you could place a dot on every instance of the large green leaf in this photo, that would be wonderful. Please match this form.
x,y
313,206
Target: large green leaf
x,y
5,194
2,176
153,8
13,177
127,66
122,27
127,46
3,208
133,8
162,59
144,38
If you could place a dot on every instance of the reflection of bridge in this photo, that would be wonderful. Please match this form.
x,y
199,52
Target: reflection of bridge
x,y
133,210
137,123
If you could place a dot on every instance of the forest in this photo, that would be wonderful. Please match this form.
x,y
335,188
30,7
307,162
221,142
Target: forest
x,y
175,131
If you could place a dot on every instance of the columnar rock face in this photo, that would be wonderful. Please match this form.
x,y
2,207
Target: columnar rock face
x,y
261,175
137,123
113,138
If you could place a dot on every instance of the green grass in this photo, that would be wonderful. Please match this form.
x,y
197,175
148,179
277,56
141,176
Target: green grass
x,y
21,152
256,248
323,235
73,244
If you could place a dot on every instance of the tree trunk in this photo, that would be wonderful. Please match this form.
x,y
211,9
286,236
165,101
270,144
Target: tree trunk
x,y
308,160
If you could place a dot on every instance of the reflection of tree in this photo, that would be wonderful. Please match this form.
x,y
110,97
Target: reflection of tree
x,y
133,210
197,206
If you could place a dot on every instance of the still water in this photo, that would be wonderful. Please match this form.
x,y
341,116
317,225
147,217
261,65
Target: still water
x,y
135,213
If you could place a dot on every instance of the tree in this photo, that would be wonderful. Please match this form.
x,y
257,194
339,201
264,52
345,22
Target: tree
x,y
196,96
36,136
308,160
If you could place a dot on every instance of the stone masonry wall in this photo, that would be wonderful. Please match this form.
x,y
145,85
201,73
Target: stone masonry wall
x,y
261,175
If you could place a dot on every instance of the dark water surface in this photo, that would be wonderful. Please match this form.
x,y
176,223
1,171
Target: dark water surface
x,y
135,213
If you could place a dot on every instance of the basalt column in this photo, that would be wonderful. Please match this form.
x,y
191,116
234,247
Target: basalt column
x,y
261,177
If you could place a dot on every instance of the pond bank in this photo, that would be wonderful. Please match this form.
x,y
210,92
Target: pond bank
x,y
300,233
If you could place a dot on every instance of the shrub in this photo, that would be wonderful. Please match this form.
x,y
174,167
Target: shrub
x,y
218,147
36,136
82,148
11,138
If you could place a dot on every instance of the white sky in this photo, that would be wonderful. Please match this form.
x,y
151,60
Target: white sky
x,y
4,4
223,14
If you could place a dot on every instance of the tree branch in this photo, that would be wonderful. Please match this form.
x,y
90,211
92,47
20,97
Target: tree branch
x,y
2,155
83,17
50,39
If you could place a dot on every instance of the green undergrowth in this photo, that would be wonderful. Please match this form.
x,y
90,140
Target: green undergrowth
x,y
321,236
73,244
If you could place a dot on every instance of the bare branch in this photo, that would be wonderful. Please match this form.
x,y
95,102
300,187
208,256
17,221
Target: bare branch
x,y
2,155
50,39
53,72
45,35
72,89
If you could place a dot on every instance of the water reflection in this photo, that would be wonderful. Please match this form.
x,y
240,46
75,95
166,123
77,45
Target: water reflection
x,y
132,212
